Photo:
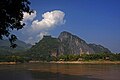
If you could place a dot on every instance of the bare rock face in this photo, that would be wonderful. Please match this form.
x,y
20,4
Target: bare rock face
x,y
71,44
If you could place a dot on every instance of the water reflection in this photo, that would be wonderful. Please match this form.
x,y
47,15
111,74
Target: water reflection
x,y
38,75
58,76
15,75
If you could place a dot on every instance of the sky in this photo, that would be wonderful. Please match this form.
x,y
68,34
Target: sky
x,y
95,21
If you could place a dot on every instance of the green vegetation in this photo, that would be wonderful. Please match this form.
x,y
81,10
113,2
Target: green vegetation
x,y
13,58
89,57
43,49
68,57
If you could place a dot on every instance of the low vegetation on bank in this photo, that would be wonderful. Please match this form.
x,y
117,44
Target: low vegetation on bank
x,y
67,57
88,57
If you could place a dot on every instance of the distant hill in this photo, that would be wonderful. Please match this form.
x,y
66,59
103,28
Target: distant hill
x,y
6,49
99,48
66,43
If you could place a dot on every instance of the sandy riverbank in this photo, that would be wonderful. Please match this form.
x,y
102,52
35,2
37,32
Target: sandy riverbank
x,y
7,63
68,62
86,62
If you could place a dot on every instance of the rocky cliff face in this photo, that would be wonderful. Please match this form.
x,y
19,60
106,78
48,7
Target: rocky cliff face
x,y
71,44
66,43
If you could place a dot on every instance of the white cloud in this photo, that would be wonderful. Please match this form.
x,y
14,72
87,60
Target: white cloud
x,y
28,17
50,20
36,29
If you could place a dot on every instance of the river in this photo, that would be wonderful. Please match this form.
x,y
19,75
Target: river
x,y
51,71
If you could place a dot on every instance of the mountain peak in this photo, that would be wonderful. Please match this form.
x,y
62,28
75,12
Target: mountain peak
x,y
66,32
72,44
68,35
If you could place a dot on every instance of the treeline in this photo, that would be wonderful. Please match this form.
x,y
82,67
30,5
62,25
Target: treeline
x,y
77,57
14,58
66,57
87,57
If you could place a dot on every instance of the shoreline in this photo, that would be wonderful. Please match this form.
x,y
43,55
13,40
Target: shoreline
x,y
87,62
66,62
79,62
6,63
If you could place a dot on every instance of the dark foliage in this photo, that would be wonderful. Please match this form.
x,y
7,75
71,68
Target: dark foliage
x,y
44,48
11,15
90,57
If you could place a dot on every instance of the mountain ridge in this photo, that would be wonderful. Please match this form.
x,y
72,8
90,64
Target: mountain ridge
x,y
66,43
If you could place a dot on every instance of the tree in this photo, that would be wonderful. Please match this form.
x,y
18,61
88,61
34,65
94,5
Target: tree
x,y
11,15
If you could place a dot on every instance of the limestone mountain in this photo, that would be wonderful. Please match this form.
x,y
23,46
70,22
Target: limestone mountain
x,y
72,44
66,43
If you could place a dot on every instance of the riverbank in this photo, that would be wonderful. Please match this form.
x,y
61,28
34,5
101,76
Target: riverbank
x,y
7,63
79,62
87,62
66,62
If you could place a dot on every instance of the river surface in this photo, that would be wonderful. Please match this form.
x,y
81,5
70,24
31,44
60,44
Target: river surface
x,y
49,71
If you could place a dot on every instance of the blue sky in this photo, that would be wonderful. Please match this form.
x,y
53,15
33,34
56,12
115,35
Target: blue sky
x,y
95,21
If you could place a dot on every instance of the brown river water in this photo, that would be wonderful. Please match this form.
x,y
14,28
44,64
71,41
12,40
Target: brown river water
x,y
51,71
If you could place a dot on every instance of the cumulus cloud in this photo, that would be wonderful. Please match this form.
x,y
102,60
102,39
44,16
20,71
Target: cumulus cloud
x,y
50,20
28,17
36,29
